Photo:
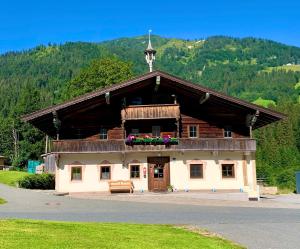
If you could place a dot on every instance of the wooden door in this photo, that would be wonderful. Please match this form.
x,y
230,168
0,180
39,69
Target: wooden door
x,y
158,173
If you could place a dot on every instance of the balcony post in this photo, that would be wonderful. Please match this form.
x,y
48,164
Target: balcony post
x,y
56,123
178,127
123,128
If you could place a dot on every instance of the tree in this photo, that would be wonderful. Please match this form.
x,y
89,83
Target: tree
x,y
101,73
20,141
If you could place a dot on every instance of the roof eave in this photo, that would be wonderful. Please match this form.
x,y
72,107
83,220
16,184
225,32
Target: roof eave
x,y
46,111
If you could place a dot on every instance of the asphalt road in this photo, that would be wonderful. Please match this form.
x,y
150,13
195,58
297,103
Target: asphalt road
x,y
256,228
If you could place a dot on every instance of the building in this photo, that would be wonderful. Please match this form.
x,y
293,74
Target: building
x,y
156,130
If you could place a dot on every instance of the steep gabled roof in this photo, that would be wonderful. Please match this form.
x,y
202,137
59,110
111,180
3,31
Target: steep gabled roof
x,y
86,97
266,115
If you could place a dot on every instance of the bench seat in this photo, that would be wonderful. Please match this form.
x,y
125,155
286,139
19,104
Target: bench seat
x,y
120,185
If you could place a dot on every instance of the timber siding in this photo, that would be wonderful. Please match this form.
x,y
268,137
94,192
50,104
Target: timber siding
x,y
151,112
205,129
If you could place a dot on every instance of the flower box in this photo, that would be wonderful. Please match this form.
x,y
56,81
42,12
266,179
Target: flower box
x,y
148,140
132,140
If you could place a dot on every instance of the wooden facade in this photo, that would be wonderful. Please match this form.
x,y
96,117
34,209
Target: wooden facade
x,y
200,118
146,112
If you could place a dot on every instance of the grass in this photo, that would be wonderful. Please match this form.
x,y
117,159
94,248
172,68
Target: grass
x,y
2,201
284,191
293,68
11,177
264,102
49,234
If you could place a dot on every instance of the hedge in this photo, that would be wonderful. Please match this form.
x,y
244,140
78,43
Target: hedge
x,y
38,181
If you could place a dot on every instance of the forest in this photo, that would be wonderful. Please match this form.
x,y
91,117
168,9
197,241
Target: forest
x,y
257,70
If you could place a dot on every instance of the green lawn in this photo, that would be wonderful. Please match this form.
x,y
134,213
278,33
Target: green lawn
x,y
2,201
48,234
11,177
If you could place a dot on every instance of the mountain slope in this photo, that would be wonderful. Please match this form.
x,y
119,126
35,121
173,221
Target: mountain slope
x,y
234,66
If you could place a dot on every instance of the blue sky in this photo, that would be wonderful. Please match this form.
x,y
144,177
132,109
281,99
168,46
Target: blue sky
x,y
25,24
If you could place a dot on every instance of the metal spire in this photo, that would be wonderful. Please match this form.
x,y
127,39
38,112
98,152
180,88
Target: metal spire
x,y
149,40
150,53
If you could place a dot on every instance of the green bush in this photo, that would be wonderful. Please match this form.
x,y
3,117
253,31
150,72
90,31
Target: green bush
x,y
286,179
42,181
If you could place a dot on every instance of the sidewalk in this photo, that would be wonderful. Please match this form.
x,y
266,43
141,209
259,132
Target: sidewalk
x,y
231,199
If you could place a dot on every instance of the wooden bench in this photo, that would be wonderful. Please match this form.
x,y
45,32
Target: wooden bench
x,y
120,186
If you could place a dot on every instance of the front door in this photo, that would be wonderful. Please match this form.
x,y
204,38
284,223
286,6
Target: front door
x,y
158,173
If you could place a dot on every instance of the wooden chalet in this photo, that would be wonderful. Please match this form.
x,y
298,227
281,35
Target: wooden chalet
x,y
157,130
153,133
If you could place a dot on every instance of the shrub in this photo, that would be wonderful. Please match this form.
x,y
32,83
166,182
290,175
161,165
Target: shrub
x,y
286,179
42,181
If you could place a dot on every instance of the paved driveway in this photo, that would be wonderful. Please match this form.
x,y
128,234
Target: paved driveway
x,y
254,227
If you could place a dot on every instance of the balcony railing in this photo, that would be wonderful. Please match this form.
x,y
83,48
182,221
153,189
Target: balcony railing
x,y
138,112
184,144
81,146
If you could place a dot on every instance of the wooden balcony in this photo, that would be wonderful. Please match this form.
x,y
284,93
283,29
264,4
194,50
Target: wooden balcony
x,y
139,112
185,144
88,146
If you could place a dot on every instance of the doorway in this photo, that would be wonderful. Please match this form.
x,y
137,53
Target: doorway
x,y
158,173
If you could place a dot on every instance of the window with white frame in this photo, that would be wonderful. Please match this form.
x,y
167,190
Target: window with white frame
x,y
105,172
76,173
227,132
103,133
134,171
193,131
228,170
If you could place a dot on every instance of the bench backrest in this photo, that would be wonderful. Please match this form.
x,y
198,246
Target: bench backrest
x,y
120,183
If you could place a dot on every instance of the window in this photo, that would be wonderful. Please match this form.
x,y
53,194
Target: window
x,y
158,171
103,133
136,101
228,170
227,132
196,170
135,171
193,133
76,173
135,132
105,172
156,131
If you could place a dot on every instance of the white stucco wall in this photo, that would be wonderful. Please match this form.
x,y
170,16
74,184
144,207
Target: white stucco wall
x,y
91,164
179,170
